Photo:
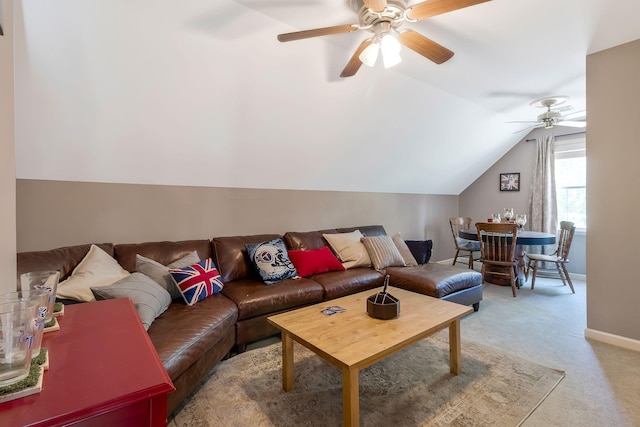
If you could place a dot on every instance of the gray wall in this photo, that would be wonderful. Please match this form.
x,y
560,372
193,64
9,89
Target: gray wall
x,y
613,90
7,154
483,197
59,213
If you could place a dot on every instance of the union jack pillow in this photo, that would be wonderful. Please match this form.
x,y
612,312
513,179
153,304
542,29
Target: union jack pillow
x,y
197,281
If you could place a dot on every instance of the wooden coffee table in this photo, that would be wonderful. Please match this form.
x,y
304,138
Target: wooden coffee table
x,y
352,340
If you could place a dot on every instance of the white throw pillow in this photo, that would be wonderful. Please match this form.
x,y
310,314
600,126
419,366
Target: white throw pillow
x,y
349,249
97,268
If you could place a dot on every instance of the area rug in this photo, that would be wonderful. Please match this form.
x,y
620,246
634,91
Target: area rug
x,y
411,388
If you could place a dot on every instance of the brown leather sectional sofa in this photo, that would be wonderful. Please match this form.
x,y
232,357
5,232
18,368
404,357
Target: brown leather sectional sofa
x,y
191,340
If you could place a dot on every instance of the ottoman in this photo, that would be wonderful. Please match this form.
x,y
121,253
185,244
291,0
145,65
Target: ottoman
x,y
460,285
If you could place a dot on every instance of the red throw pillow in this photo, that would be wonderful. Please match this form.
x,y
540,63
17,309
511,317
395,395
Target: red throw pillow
x,y
315,261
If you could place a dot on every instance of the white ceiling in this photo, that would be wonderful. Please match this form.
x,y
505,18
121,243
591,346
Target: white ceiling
x,y
115,90
507,52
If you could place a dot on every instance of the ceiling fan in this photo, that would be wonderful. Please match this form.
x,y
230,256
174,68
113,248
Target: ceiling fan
x,y
384,18
553,116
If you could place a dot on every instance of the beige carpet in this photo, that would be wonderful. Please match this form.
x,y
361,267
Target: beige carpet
x,y
411,388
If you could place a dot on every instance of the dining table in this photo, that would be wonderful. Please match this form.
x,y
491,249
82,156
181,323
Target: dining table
x,y
525,238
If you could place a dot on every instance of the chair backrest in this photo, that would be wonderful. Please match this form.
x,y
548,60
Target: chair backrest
x,y
567,229
497,241
457,224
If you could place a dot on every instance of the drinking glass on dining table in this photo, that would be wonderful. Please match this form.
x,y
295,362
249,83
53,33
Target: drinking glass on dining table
x,y
508,214
521,220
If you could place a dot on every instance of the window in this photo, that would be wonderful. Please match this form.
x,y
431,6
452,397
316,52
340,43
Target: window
x,y
571,181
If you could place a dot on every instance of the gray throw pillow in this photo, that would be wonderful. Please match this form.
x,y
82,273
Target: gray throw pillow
x,y
160,273
149,298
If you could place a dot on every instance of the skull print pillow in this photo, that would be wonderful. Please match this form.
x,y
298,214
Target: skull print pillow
x,y
271,261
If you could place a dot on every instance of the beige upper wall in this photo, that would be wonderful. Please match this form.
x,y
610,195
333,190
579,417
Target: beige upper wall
x,y
7,154
613,90
59,213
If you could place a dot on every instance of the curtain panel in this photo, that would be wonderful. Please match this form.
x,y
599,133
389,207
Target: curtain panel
x,y
543,208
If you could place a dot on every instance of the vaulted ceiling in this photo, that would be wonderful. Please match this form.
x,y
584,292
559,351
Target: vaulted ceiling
x,y
201,92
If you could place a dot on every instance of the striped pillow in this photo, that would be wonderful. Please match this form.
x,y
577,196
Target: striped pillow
x,y
383,252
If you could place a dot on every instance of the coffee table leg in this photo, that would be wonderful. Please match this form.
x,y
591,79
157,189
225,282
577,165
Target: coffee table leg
x,y
455,351
350,396
287,362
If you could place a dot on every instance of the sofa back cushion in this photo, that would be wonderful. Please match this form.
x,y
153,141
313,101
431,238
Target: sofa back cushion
x,y
366,230
62,259
163,252
231,258
309,240
306,240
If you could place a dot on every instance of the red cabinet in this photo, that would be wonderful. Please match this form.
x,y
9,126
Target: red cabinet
x,y
103,371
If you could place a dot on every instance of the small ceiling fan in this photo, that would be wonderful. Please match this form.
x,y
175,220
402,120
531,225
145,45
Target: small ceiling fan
x,y
553,116
384,18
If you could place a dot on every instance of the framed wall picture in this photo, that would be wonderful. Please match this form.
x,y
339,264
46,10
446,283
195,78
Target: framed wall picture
x,y
510,181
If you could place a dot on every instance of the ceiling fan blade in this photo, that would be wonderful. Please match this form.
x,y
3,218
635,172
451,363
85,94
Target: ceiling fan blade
x,y
572,124
287,37
524,121
425,47
431,8
354,63
576,114
376,5
528,128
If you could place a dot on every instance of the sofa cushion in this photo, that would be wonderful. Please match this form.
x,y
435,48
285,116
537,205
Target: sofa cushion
x,y
230,255
366,230
253,298
271,261
340,283
97,268
315,261
349,249
307,240
160,273
197,281
63,259
435,280
162,252
420,249
183,334
409,259
383,252
149,298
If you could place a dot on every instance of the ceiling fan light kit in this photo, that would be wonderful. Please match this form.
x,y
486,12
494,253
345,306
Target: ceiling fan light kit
x,y
383,18
385,41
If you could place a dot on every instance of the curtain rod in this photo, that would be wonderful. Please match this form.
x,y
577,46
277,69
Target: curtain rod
x,y
560,136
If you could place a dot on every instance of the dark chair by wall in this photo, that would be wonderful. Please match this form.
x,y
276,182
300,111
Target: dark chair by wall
x,y
498,251
463,245
560,257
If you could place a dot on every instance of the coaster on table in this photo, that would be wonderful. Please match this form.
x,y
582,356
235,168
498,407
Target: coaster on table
x,y
42,359
28,386
54,327
58,309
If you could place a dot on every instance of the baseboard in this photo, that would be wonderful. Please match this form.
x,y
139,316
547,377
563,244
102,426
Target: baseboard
x,y
612,339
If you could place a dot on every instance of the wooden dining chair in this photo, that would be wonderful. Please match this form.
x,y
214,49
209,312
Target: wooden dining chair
x,y
498,251
560,257
464,245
